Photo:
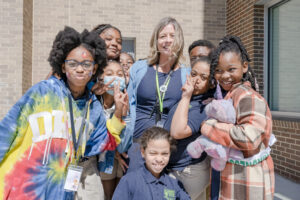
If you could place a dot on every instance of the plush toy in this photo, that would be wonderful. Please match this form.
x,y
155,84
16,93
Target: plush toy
x,y
223,111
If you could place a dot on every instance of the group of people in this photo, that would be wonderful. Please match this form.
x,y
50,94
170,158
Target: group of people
x,y
103,126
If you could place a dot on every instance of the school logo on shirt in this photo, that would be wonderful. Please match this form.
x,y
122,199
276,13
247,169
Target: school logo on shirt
x,y
51,124
169,194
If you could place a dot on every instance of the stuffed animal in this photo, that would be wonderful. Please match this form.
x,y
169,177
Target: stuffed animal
x,y
223,111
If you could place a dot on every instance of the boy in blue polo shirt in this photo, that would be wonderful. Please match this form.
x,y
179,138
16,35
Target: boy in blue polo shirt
x,y
150,181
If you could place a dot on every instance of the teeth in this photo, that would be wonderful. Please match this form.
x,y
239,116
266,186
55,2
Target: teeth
x,y
226,83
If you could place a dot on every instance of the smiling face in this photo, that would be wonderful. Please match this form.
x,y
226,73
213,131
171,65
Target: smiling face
x,y
126,61
113,43
156,155
230,70
78,77
200,76
165,40
113,69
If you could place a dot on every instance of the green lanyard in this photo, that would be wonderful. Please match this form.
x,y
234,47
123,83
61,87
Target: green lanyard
x,y
161,90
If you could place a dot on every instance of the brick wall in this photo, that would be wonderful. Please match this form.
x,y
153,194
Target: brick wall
x,y
11,34
27,45
28,30
246,20
214,20
135,18
286,152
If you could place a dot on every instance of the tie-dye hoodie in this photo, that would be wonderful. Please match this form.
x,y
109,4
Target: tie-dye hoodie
x,y
33,141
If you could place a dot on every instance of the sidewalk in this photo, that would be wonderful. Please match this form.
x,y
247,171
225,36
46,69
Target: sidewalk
x,y
286,189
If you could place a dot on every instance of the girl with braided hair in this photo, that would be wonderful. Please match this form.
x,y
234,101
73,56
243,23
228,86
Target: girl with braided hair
x,y
113,40
252,178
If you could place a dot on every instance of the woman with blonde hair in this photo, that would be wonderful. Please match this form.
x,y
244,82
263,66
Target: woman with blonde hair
x,y
155,83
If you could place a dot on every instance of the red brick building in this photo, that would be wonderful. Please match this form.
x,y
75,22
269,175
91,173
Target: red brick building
x,y
270,30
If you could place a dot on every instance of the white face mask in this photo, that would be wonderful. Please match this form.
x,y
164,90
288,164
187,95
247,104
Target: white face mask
x,y
118,79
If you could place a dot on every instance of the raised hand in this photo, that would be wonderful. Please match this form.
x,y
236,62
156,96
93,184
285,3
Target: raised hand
x,y
100,88
188,87
121,101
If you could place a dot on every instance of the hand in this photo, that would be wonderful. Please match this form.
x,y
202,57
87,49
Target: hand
x,y
188,88
100,88
122,162
121,101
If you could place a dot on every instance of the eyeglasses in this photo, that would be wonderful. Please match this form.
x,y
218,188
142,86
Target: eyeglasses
x,y
86,64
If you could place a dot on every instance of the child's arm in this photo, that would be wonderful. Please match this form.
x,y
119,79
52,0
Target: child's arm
x,y
108,132
179,127
114,129
115,125
253,123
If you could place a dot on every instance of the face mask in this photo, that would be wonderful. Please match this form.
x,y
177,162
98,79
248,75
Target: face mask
x,y
116,81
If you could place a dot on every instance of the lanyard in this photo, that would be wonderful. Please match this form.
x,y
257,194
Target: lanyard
x,y
83,122
161,90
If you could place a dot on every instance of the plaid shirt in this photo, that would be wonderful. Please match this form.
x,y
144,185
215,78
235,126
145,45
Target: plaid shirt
x,y
250,134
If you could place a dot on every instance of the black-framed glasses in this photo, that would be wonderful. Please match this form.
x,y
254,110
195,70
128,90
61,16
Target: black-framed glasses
x,y
86,64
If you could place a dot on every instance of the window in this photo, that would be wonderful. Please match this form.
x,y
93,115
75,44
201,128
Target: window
x,y
283,56
128,45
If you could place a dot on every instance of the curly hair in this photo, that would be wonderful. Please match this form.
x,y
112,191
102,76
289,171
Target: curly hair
x,y
202,43
155,133
69,39
234,44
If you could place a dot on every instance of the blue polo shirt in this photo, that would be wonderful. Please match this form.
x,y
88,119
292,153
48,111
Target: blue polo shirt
x,y
180,158
141,184
146,98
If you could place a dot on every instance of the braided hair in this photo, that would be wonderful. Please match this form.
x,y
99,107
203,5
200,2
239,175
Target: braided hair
x,y
102,27
234,44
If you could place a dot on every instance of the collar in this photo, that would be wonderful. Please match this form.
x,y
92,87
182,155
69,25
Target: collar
x,y
65,90
109,111
86,95
149,178
246,83
230,92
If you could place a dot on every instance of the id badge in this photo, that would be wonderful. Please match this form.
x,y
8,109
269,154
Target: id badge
x,y
160,123
73,178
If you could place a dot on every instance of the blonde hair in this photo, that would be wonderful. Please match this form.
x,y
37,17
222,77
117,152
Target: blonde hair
x,y
178,44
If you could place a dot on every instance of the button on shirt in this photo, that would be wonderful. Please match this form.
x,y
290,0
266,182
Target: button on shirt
x,y
141,184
